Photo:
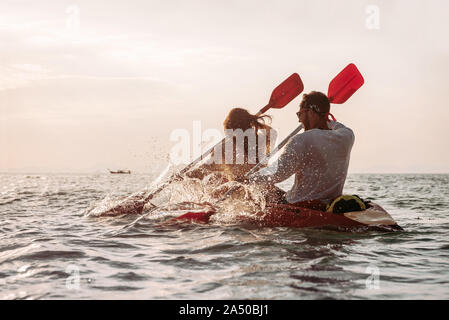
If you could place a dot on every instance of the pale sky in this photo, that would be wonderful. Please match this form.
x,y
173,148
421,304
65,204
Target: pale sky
x,y
90,85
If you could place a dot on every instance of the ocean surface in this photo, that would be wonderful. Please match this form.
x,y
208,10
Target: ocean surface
x,y
50,248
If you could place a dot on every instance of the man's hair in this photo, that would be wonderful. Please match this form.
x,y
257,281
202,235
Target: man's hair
x,y
316,101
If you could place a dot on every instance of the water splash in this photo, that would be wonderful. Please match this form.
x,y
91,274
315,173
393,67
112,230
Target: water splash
x,y
186,194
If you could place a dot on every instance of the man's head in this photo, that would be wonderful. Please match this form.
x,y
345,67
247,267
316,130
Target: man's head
x,y
313,110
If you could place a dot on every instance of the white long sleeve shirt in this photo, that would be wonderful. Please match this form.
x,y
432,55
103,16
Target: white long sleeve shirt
x,y
319,159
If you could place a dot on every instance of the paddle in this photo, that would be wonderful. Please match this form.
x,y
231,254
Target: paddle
x,y
289,89
341,88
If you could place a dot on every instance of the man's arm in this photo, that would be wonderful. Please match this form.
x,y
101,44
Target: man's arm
x,y
288,164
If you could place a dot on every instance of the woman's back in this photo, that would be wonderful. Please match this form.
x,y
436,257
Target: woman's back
x,y
245,149
248,141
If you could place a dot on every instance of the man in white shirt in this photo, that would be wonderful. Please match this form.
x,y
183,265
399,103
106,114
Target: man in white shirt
x,y
319,158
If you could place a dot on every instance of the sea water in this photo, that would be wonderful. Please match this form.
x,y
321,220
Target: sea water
x,y
50,249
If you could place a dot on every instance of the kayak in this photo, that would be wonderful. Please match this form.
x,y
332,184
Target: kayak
x,y
283,215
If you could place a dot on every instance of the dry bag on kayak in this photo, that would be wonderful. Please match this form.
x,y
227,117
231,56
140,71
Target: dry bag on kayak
x,y
347,203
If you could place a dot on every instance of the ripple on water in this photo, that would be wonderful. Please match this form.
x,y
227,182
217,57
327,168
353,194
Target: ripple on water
x,y
52,255
99,243
129,276
117,288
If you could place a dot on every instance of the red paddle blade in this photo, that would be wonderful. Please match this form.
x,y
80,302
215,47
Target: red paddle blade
x,y
285,92
345,84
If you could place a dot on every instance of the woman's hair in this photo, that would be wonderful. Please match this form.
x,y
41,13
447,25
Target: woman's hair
x,y
239,118
317,101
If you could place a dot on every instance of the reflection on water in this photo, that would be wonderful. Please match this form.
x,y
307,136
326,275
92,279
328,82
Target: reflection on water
x,y
50,250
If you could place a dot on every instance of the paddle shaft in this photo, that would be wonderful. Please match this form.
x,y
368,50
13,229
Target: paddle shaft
x,y
264,109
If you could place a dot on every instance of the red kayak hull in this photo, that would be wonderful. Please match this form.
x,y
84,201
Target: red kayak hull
x,y
291,216
297,217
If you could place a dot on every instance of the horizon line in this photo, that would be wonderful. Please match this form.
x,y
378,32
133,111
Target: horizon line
x,y
149,172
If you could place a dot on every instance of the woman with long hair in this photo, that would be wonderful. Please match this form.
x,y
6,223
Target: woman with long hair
x,y
251,140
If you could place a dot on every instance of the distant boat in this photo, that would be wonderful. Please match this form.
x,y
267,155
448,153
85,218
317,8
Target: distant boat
x,y
120,172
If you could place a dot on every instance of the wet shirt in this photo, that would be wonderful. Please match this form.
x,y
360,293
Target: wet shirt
x,y
319,159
